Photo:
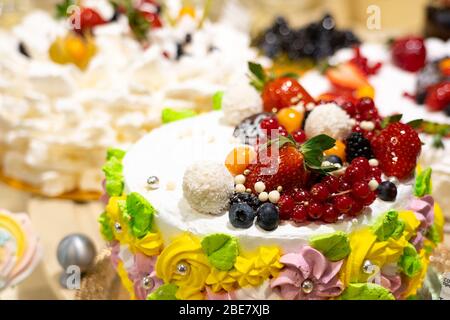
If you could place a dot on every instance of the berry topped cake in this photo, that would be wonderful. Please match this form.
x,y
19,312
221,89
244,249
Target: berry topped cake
x,y
103,74
275,196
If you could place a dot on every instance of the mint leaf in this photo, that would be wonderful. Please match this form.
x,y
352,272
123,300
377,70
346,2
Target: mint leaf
x,y
410,262
422,185
221,250
105,227
335,246
217,100
388,226
257,75
391,119
313,149
366,291
165,292
141,214
170,115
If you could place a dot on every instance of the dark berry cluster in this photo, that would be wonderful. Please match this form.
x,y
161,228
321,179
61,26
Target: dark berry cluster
x,y
317,40
357,146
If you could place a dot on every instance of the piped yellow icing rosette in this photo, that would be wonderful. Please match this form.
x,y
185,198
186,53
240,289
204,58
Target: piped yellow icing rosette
x,y
184,264
20,250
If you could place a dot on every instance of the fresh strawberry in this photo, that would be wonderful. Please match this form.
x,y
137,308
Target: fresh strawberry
x,y
409,53
88,19
438,96
397,148
286,171
277,93
283,93
348,76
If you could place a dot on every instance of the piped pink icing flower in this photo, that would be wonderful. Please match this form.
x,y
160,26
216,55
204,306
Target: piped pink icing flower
x,y
143,275
393,283
423,209
104,198
222,295
308,275
115,251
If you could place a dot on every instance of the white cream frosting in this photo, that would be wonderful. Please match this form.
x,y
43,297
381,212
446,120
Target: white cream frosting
x,y
57,121
166,152
390,84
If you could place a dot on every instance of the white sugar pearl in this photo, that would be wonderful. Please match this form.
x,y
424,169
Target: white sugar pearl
x,y
239,179
367,125
260,186
374,162
373,184
274,196
240,188
263,196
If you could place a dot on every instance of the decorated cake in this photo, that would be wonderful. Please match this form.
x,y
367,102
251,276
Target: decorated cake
x,y
20,249
104,74
275,196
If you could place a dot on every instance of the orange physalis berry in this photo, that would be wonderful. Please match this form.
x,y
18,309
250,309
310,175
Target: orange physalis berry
x,y
239,159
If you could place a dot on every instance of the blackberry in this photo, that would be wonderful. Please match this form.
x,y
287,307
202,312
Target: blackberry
x,y
357,146
247,198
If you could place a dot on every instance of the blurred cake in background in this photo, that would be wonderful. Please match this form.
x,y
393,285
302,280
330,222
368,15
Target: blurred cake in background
x,y
20,250
102,76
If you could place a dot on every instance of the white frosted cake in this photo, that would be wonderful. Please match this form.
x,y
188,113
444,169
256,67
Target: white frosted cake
x,y
289,204
63,96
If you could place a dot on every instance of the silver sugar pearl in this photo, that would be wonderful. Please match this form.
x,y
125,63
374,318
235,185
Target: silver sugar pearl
x,y
307,286
118,227
147,282
368,267
78,250
153,182
182,268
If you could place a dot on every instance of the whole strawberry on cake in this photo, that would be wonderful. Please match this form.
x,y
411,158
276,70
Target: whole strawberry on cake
x,y
281,200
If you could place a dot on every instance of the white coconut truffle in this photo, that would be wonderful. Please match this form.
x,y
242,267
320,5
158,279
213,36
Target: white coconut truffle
x,y
240,101
328,119
207,187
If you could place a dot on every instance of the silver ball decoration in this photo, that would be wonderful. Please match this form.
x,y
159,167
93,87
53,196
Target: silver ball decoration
x,y
153,182
118,227
147,282
182,268
307,286
76,249
368,267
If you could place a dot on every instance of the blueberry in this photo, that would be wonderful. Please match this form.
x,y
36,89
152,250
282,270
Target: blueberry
x,y
248,198
241,215
334,159
268,217
387,191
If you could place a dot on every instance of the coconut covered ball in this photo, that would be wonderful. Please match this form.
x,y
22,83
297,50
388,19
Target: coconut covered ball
x,y
240,101
207,187
328,119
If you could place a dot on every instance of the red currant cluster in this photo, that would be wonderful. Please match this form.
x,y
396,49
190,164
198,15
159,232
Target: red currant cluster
x,y
362,62
272,123
366,115
332,197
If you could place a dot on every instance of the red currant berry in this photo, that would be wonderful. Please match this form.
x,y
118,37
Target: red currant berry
x,y
361,190
343,203
301,195
365,104
282,131
344,185
355,173
285,205
299,136
374,173
369,199
349,108
356,209
269,124
300,213
332,183
330,214
315,210
319,192
361,162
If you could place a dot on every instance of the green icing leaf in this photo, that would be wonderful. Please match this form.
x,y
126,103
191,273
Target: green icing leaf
x,y
115,153
410,262
422,185
221,250
113,172
433,234
170,115
335,246
388,226
105,227
164,292
141,214
366,291
217,100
